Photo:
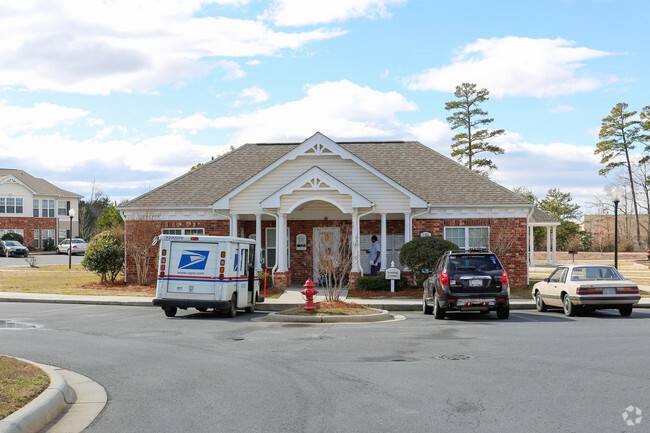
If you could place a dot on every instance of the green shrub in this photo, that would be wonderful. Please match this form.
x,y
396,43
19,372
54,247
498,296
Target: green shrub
x,y
13,237
269,280
423,253
419,281
379,284
105,255
48,244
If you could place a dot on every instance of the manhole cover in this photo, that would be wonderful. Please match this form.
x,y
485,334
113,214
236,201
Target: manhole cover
x,y
452,357
10,324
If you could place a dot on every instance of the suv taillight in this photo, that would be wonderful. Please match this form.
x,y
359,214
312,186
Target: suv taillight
x,y
444,278
504,278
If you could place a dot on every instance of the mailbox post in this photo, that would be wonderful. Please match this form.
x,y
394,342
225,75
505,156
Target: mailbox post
x,y
392,274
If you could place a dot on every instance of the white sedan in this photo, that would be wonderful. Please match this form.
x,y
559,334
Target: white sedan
x,y
586,287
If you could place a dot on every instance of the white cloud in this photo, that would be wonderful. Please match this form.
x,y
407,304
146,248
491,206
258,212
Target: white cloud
x,y
42,115
310,12
514,66
252,95
338,109
97,47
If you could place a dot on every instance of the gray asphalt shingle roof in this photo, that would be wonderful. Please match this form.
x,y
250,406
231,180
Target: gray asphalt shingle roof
x,y
39,185
416,167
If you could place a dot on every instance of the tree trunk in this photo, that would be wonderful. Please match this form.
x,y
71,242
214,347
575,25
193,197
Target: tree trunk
x,y
636,210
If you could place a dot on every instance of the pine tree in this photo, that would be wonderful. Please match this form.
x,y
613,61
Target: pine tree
x,y
618,133
471,118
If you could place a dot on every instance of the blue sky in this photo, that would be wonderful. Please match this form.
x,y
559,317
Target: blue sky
x,y
130,94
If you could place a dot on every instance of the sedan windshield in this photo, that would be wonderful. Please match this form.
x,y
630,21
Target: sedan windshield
x,y
595,273
12,243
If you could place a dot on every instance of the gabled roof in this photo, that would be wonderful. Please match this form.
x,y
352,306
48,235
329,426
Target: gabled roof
x,y
416,168
36,185
541,218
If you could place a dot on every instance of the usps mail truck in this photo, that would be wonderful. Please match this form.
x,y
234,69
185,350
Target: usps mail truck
x,y
206,272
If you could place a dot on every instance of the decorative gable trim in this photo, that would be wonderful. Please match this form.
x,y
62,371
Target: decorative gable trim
x,y
315,180
11,179
319,145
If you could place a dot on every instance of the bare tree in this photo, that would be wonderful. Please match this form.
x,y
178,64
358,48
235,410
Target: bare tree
x,y
140,234
335,262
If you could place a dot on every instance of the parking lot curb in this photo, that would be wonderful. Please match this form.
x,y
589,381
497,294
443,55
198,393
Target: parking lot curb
x,y
377,317
44,408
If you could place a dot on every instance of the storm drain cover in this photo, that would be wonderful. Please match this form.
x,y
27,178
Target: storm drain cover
x,y
452,357
10,324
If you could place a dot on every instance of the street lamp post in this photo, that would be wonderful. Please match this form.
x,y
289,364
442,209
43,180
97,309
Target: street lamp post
x,y
616,198
71,214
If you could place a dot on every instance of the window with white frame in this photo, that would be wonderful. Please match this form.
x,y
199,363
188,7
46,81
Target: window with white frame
x,y
271,249
47,209
37,238
36,208
48,234
187,232
468,237
20,232
12,205
64,207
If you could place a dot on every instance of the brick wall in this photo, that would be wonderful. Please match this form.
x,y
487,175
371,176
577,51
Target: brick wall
x,y
28,225
502,231
508,237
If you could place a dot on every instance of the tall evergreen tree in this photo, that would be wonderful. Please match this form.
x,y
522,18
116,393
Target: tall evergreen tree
x,y
619,133
470,118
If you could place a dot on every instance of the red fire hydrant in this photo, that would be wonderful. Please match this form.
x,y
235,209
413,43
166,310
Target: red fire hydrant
x,y
309,293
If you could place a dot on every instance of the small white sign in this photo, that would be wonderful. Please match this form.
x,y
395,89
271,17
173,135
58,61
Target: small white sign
x,y
392,274
301,242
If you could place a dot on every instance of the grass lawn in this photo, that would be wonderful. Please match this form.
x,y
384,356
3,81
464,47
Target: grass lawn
x,y
20,382
61,280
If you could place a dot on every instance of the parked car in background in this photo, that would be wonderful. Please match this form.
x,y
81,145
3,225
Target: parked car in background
x,y
471,280
586,287
78,246
13,248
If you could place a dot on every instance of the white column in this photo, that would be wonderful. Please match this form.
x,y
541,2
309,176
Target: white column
x,y
548,245
383,256
356,252
408,231
554,245
281,247
531,246
258,242
233,225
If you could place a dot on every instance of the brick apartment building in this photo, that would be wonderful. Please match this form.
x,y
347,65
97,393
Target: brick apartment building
x,y
35,209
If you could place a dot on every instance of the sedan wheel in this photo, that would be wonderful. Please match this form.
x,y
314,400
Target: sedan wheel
x,y
539,303
569,308
625,310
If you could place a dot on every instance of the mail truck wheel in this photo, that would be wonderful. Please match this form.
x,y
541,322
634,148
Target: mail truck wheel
x,y
625,310
251,308
539,302
170,311
232,310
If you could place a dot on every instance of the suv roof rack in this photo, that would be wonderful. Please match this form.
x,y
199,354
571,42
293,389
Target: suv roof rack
x,y
471,250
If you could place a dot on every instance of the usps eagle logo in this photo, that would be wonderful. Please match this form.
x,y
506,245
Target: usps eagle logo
x,y
193,259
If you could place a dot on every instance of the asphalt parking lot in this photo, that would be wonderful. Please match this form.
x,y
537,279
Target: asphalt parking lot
x,y
202,372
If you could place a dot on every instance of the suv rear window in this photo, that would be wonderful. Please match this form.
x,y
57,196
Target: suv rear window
x,y
485,263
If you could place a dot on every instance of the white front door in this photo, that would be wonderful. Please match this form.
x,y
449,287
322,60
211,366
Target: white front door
x,y
326,246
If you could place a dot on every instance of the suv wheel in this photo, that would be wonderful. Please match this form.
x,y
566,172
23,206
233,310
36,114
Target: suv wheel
x,y
438,311
503,312
426,308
